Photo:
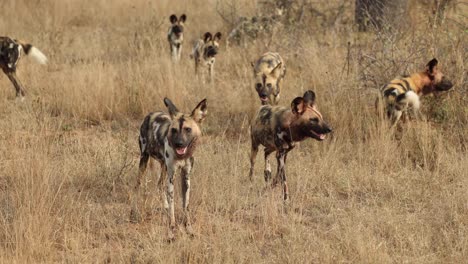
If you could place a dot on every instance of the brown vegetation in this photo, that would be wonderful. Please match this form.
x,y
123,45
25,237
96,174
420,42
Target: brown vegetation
x,y
69,153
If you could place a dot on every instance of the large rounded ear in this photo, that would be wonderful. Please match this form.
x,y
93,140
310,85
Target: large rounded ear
x,y
173,111
297,105
173,19
182,18
207,37
217,36
277,68
431,67
199,112
309,98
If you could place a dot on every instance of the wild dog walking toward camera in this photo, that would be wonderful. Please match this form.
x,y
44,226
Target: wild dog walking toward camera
x,y
204,52
277,128
403,93
176,35
269,71
171,139
10,54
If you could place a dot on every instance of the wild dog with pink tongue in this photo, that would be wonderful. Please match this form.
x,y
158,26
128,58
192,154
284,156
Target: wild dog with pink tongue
x,y
171,139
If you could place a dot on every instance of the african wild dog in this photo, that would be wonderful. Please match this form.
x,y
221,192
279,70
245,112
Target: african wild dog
x,y
171,139
176,35
204,52
10,54
269,71
402,93
278,128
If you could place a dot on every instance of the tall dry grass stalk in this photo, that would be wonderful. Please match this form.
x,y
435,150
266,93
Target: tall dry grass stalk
x,y
69,154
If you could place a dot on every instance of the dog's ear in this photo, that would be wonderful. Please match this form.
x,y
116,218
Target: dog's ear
x,y
431,67
173,111
309,98
182,18
207,37
173,19
199,112
217,36
277,68
297,106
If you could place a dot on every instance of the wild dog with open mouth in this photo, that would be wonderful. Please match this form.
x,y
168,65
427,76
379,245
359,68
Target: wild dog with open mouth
x,y
277,128
176,35
402,93
204,52
269,71
171,139
10,54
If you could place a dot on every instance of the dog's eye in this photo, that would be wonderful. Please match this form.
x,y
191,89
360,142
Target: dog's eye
x,y
188,129
269,85
314,120
258,86
174,130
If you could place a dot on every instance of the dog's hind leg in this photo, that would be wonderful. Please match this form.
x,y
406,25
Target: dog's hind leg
x,y
17,84
135,214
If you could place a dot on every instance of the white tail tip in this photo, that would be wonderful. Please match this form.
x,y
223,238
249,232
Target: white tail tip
x,y
37,55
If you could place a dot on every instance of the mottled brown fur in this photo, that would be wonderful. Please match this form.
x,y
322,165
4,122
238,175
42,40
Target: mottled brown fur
x,y
279,128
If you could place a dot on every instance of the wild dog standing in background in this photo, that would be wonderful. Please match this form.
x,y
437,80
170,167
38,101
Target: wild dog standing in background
x,y
204,52
171,139
269,71
402,93
176,35
277,128
10,54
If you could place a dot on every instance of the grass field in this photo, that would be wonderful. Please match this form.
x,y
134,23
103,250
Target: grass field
x,y
367,194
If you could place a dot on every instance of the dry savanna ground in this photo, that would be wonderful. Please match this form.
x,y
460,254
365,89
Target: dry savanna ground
x,y
367,194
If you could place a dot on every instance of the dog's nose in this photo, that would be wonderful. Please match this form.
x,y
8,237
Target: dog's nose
x,y
263,94
328,129
178,144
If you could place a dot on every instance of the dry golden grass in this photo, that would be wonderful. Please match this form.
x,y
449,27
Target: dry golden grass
x,y
69,154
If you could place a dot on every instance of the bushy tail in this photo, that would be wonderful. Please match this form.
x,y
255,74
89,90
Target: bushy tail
x,y
34,52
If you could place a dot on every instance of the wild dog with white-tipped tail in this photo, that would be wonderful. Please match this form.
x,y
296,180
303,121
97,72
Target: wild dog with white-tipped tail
x,y
402,94
171,139
11,51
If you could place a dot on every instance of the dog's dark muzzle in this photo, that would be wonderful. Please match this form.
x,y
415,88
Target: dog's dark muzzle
x,y
444,85
211,52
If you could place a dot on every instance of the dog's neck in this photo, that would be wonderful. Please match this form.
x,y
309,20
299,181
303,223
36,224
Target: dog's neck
x,y
424,84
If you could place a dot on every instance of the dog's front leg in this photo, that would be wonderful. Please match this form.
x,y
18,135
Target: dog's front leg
x,y
281,173
185,182
210,72
171,167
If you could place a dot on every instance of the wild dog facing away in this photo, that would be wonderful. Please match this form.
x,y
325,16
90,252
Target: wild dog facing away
x,y
10,54
176,35
403,93
278,128
269,71
204,52
171,139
